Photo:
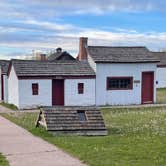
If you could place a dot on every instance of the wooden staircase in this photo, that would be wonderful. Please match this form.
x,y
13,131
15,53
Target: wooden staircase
x,y
72,120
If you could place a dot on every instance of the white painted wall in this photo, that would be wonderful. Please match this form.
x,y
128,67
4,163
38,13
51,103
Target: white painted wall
x,y
5,84
91,63
72,98
121,97
161,77
27,100
13,88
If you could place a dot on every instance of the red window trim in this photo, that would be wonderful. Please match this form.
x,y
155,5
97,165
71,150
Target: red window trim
x,y
129,88
80,88
35,88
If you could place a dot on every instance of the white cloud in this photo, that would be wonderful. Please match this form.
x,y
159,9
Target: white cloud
x,y
38,9
102,5
49,25
68,40
26,24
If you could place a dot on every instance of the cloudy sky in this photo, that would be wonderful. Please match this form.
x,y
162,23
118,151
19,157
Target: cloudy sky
x,y
27,25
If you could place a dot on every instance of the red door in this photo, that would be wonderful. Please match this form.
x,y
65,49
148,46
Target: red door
x,y
147,87
57,92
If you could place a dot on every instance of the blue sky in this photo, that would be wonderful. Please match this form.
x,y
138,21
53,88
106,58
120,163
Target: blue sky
x,y
46,24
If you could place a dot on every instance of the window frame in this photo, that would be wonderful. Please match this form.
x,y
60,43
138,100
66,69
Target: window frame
x,y
119,77
80,90
35,89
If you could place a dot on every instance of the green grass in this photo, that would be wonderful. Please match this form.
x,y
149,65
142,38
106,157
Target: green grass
x,y
3,161
161,96
137,137
10,106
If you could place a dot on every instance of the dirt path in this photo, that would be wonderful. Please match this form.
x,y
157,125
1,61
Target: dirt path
x,y
23,149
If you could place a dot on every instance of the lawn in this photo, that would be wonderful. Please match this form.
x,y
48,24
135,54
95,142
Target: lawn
x,y
10,106
161,96
137,137
3,161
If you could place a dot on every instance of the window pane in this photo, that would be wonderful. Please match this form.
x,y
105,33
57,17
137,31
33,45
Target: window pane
x,y
35,89
119,83
80,88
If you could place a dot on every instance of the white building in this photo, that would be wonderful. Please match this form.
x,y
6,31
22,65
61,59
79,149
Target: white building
x,y
43,83
4,64
161,69
124,75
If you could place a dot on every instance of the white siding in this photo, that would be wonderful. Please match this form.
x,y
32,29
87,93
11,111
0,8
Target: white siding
x,y
27,100
121,97
13,88
92,63
72,98
161,77
5,84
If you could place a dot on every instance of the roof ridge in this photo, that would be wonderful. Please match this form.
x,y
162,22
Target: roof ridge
x,y
158,52
5,60
120,46
46,61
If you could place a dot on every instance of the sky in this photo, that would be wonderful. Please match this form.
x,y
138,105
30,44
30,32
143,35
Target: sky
x,y
44,25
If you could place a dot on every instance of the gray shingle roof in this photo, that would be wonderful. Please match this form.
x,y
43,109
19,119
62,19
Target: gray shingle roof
x,y
4,64
46,68
60,56
121,54
161,56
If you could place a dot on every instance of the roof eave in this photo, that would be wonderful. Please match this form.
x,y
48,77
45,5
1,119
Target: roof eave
x,y
56,76
155,61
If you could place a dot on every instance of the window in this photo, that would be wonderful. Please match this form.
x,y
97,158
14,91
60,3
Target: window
x,y
80,88
119,83
35,89
82,115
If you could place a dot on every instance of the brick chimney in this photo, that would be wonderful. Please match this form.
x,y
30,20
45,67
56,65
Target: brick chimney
x,y
83,44
41,57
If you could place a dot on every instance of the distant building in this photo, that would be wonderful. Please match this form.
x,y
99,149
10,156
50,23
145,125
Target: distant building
x,y
43,83
60,55
161,69
4,64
